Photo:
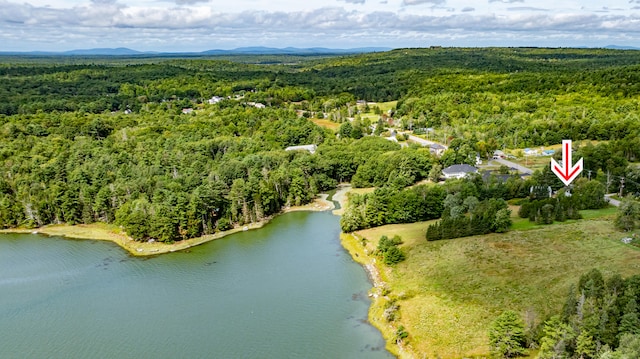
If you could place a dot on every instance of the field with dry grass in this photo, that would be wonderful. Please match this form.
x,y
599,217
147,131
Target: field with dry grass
x,y
333,126
449,291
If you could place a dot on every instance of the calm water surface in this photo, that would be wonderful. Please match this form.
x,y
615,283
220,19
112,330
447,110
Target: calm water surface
x,y
288,290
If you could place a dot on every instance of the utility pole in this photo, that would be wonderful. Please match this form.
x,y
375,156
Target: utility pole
x,y
621,185
608,180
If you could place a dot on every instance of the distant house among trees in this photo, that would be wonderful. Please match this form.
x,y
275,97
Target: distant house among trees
x,y
437,149
256,104
311,148
497,154
215,99
458,171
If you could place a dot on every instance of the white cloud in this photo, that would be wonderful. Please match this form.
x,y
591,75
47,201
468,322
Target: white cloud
x,y
526,8
190,2
183,25
420,2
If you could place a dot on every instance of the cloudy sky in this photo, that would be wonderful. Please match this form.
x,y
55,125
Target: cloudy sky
x,y
196,25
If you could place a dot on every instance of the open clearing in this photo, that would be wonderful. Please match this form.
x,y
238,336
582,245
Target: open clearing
x,y
333,126
451,290
384,106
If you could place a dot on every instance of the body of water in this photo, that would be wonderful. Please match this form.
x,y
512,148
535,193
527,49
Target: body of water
x,y
288,290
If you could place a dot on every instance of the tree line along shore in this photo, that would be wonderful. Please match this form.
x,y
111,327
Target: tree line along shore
x,y
115,234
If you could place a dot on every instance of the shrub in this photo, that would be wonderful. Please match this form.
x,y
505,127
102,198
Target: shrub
x,y
388,249
224,224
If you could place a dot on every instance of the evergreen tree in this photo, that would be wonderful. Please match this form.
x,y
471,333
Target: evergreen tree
x,y
628,215
506,336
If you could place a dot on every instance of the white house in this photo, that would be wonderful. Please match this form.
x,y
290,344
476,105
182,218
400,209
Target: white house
x,y
215,99
458,171
256,104
311,148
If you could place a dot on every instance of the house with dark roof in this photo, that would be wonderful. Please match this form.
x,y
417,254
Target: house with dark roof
x,y
458,171
437,149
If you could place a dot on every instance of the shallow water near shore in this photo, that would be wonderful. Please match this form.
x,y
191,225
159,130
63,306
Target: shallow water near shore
x,y
288,290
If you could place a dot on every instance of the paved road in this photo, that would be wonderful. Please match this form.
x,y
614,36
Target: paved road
x,y
613,202
424,142
522,169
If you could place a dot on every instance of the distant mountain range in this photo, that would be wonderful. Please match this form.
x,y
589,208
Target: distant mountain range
x,y
256,50
252,50
617,47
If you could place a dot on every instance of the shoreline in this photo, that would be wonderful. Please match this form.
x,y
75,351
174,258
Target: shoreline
x,y
351,242
115,234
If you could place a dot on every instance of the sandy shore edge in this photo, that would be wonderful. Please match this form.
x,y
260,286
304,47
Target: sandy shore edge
x,y
113,233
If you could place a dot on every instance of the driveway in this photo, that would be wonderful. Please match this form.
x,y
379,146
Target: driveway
x,y
613,202
520,168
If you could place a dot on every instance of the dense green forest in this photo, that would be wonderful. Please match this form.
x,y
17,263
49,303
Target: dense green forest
x,y
111,140
599,320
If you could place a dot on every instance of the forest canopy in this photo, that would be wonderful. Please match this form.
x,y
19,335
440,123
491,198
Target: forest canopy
x,y
137,143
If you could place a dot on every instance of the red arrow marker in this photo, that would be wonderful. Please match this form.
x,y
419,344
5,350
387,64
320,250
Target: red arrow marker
x,y
567,173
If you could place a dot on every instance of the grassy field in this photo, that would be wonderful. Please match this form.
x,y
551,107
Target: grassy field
x,y
539,162
333,126
384,106
371,116
533,162
523,224
449,291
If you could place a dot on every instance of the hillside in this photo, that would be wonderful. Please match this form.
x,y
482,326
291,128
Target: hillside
x,y
450,291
